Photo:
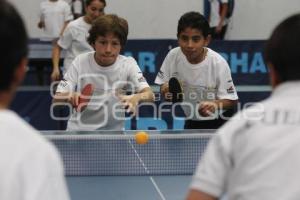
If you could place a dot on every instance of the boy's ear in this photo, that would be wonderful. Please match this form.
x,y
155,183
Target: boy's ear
x,y
21,71
274,76
93,45
207,40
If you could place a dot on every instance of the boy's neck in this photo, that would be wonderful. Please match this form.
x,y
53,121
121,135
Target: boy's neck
x,y
201,57
4,103
86,19
5,99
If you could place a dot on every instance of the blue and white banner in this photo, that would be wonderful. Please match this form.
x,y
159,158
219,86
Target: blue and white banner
x,y
245,58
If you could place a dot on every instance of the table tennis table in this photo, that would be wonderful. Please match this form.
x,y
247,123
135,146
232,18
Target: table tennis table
x,y
110,165
128,187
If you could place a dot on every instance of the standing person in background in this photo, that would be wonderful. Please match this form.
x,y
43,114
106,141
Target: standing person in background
x,y
54,16
68,2
74,37
256,154
77,8
218,20
30,166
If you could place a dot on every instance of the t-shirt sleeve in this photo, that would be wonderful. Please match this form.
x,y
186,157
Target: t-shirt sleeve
x,y
226,88
69,81
164,73
212,171
216,167
136,76
66,39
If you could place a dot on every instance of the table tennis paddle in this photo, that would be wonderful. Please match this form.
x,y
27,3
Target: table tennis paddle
x,y
85,97
176,90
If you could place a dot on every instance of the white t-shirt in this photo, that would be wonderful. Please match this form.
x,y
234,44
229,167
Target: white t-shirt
x,y
207,80
215,13
74,40
54,15
30,167
256,154
100,113
77,7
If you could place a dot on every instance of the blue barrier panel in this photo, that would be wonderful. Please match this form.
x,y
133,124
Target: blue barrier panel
x,y
35,106
245,59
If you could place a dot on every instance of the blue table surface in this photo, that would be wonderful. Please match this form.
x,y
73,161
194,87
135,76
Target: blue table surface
x,y
128,187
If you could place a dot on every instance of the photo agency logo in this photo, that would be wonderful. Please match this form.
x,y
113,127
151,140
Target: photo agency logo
x,y
106,105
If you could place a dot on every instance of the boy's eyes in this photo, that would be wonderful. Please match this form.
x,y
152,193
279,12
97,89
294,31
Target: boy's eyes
x,y
115,43
184,38
194,38
104,42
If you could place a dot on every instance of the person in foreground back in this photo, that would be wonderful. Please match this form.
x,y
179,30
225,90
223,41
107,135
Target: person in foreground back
x,y
256,155
30,167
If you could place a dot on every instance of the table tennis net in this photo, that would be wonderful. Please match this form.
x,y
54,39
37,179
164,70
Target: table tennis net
x,y
101,155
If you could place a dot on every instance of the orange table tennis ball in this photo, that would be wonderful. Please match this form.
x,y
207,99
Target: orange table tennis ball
x,y
141,137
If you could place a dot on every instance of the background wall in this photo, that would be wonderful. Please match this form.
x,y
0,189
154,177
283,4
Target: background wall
x,y
157,19
255,19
